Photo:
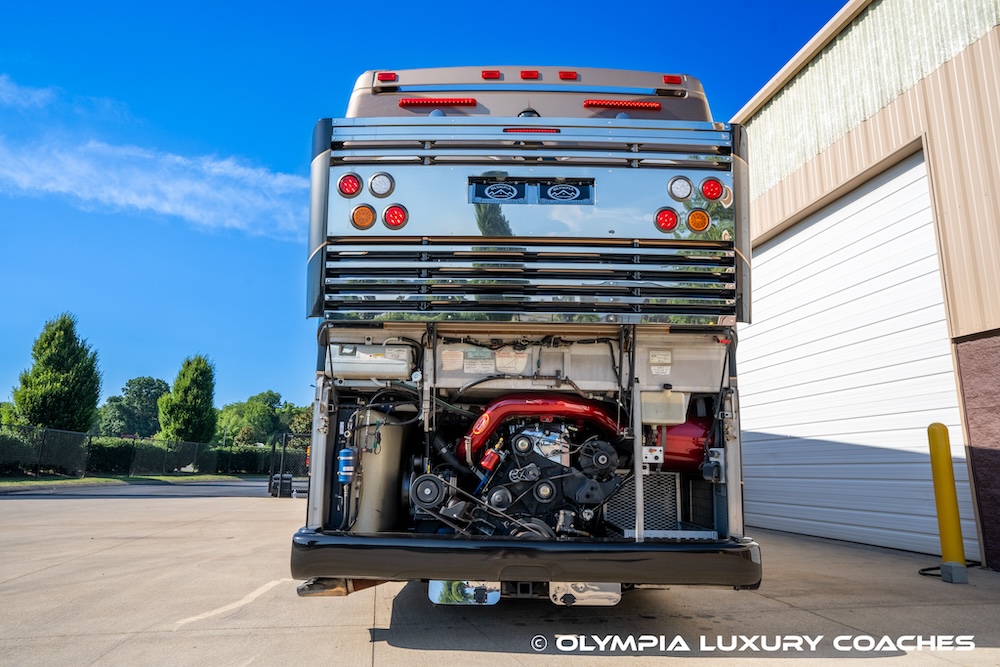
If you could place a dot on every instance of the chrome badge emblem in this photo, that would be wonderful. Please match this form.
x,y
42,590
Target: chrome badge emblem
x,y
564,192
500,191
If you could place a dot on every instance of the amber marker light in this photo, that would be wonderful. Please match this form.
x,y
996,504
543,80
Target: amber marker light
x,y
698,220
363,216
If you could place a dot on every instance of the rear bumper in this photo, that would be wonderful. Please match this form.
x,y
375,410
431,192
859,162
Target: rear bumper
x,y
402,557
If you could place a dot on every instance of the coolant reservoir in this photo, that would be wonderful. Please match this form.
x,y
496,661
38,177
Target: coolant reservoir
x,y
663,407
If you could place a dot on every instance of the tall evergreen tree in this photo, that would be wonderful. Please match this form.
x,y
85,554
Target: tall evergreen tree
x,y
63,385
188,411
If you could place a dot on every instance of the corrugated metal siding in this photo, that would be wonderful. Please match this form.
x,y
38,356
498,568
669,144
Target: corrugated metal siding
x,y
848,362
883,52
954,113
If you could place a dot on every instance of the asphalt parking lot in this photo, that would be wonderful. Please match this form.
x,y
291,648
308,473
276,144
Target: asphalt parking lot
x,y
199,575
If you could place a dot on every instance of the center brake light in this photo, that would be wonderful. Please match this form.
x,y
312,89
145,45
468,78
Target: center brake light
x,y
539,130
621,104
438,102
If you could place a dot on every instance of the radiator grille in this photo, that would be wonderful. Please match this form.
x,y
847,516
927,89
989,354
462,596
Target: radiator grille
x,y
661,498
452,280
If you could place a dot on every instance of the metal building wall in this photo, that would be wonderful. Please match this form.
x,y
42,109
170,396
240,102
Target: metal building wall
x,y
954,115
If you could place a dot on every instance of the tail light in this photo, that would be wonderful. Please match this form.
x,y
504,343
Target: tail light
x,y
621,104
673,79
395,216
438,102
529,74
711,188
530,130
567,76
698,220
386,76
491,74
666,219
349,185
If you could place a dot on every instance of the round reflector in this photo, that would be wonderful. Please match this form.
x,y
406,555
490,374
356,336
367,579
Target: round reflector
x,y
698,220
349,185
666,219
381,185
394,216
363,216
680,188
711,188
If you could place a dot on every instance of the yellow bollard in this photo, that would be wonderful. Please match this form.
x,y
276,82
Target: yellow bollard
x,y
949,526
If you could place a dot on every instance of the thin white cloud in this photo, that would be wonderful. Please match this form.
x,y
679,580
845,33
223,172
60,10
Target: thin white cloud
x,y
23,97
208,191
217,193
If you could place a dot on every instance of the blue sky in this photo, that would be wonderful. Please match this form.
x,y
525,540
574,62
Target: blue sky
x,y
154,158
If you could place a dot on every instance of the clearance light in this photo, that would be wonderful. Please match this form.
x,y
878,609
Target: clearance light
x,y
491,74
438,102
540,130
363,216
386,76
349,185
698,220
395,216
529,74
711,188
621,104
680,188
567,76
673,79
666,219
381,185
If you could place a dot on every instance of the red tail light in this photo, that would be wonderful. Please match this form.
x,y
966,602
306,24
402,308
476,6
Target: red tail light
x,y
395,216
539,130
491,74
349,185
438,102
711,188
529,74
673,79
621,104
567,76
386,76
666,219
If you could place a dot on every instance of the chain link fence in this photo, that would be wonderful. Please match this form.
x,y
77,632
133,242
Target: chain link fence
x,y
27,451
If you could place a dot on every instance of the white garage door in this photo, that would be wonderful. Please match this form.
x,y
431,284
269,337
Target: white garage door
x,y
847,363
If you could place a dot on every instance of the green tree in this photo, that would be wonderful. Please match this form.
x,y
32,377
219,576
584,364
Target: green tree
x,y
187,412
135,412
491,220
9,415
139,397
114,417
261,418
63,385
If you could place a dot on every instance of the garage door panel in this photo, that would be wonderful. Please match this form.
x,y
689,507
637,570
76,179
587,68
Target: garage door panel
x,y
907,331
847,363
852,213
880,248
909,284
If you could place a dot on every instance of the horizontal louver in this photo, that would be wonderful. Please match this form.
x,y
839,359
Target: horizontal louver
x,y
574,278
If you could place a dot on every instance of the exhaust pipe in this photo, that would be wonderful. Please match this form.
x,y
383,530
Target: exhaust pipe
x,y
334,587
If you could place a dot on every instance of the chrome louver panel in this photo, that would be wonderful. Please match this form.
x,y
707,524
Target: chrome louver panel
x,y
564,280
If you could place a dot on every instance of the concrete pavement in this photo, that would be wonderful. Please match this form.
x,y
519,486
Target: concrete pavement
x,y
200,579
